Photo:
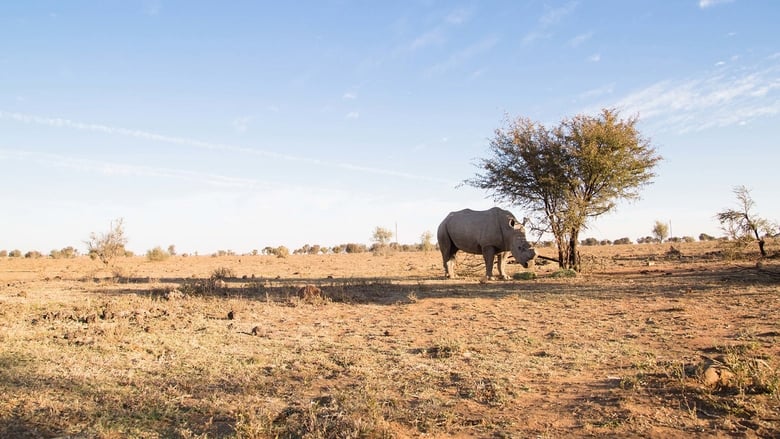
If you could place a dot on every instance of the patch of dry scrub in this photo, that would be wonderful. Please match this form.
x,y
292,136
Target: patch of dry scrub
x,y
306,346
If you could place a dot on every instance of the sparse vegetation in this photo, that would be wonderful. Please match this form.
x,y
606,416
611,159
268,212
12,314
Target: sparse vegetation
x,y
660,231
157,254
65,253
426,241
743,225
569,174
268,347
108,246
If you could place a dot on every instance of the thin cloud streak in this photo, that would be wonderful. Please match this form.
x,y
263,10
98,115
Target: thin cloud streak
x,y
722,98
123,169
145,135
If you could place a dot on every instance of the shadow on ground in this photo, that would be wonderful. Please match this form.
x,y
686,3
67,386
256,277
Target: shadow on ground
x,y
394,290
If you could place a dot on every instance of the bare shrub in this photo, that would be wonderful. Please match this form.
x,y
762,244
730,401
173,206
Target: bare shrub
x,y
108,246
157,254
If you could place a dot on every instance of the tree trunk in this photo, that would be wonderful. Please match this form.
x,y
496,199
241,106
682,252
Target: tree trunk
x,y
760,243
561,253
573,261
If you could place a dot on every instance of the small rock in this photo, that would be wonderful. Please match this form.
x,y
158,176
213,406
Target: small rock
x,y
173,294
231,315
717,376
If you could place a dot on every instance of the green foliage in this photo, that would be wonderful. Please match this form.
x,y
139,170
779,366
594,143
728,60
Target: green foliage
x,y
590,241
660,230
382,236
567,174
108,246
355,248
524,275
65,253
564,272
157,254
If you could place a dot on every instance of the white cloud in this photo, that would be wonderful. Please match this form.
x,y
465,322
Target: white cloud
x,y
463,55
152,7
458,16
145,135
596,57
348,96
241,124
128,170
549,19
430,38
717,99
352,115
580,39
704,4
597,92
555,15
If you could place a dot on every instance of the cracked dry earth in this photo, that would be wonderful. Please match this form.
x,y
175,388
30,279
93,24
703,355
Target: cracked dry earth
x,y
640,345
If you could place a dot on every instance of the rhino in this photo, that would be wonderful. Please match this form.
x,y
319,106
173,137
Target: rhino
x,y
487,232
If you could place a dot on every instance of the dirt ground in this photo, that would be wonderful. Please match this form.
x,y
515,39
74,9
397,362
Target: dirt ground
x,y
649,341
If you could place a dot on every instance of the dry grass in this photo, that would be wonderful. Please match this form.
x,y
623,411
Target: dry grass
x,y
646,343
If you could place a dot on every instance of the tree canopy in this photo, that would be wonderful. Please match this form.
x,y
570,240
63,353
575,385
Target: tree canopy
x,y
567,174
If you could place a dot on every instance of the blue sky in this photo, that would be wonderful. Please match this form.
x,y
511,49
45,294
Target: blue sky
x,y
245,124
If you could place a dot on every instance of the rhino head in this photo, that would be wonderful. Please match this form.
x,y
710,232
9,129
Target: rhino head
x,y
521,249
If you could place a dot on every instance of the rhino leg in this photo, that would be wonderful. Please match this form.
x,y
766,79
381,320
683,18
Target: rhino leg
x,y
501,264
448,258
489,253
449,268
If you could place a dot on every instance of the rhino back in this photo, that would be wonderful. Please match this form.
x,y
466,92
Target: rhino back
x,y
472,230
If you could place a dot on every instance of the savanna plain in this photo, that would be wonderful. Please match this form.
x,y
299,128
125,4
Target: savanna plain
x,y
650,340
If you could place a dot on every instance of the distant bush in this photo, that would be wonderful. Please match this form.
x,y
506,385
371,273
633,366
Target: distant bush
x,y
308,250
688,239
3,253
65,253
279,252
622,241
222,273
355,248
33,254
647,240
157,254
605,242
706,237
15,253
590,241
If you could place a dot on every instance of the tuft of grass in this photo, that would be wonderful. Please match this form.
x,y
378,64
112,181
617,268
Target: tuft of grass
x,y
524,275
565,272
